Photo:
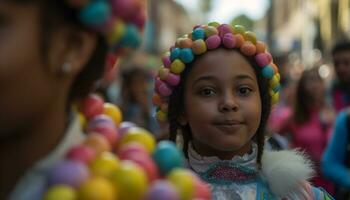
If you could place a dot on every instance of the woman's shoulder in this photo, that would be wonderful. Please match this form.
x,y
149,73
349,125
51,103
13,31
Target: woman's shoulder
x,y
287,173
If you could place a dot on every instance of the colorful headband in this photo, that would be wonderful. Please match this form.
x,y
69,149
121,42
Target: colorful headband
x,y
120,21
204,38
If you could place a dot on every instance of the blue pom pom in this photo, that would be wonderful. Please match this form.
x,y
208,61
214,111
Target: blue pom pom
x,y
96,13
168,157
268,71
131,37
198,33
186,55
175,54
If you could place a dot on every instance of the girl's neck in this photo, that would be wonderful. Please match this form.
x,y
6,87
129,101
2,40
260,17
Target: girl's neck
x,y
30,144
223,155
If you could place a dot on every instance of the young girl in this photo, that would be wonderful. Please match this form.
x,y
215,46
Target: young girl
x,y
216,88
51,53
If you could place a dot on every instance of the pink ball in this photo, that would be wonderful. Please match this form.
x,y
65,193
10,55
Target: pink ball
x,y
125,8
82,153
229,40
263,59
166,61
202,190
213,42
173,79
164,90
92,106
139,20
68,172
133,148
110,132
224,29
161,190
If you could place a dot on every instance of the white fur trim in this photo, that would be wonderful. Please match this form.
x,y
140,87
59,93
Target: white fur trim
x,y
284,171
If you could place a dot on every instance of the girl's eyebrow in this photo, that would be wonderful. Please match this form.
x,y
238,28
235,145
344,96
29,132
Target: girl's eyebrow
x,y
212,78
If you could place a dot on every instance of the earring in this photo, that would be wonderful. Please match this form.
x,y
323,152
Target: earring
x,y
66,67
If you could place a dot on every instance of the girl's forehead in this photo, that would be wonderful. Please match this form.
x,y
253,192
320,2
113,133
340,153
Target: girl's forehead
x,y
222,63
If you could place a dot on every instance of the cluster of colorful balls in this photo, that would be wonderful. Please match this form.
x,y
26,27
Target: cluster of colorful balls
x,y
121,22
119,160
205,38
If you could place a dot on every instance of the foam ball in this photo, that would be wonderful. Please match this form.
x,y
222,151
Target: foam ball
x,y
213,42
166,61
100,120
95,13
82,153
131,37
163,73
104,164
248,48
177,66
113,111
147,164
224,29
211,30
132,148
274,81
215,24
131,181
202,189
106,130
82,120
199,47
239,40
168,157
136,134
186,55
156,99
198,33
263,59
161,116
274,98
239,29
92,106
268,72
173,79
97,188
68,172
118,30
165,90
185,43
250,36
97,142
175,53
125,8
184,183
260,47
60,192
124,126
139,19
161,190
229,40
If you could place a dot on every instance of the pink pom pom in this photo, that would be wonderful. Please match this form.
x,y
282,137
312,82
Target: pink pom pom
x,y
224,29
229,40
166,61
263,59
164,90
157,83
213,42
173,79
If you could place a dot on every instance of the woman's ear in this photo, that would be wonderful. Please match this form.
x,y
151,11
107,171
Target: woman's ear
x,y
70,51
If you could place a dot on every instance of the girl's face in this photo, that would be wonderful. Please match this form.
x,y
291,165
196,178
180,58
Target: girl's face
x,y
222,104
26,87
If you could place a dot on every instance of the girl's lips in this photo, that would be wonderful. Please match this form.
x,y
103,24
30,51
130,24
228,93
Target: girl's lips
x,y
228,126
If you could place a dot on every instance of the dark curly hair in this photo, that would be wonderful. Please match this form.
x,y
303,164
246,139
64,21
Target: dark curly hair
x,y
176,107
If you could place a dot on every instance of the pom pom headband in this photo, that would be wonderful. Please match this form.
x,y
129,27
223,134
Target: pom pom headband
x,y
202,39
119,21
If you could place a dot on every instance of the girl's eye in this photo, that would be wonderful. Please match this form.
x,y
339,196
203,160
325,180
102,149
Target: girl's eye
x,y
207,92
244,91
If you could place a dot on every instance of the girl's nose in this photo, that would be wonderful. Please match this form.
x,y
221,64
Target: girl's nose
x,y
228,103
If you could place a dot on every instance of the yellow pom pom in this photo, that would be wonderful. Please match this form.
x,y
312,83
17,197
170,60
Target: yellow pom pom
x,y
97,188
177,66
117,32
60,192
140,135
215,24
274,81
113,111
199,47
161,116
250,36
184,183
239,29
